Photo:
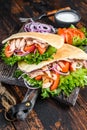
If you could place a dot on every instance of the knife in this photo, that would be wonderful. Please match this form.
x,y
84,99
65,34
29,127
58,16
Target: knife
x,y
49,13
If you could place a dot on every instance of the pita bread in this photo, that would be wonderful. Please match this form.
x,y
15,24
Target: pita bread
x,y
52,39
64,53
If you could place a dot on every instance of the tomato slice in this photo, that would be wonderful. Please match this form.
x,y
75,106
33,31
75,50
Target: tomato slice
x,y
61,32
8,53
30,48
68,37
66,34
76,32
69,33
55,83
64,66
39,77
80,34
41,50
72,67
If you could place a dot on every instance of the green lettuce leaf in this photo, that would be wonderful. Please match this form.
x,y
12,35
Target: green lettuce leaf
x,y
30,58
66,86
75,79
84,30
77,41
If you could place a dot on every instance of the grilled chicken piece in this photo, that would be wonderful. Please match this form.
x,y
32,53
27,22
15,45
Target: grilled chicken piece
x,y
47,82
40,43
36,73
47,71
20,43
12,45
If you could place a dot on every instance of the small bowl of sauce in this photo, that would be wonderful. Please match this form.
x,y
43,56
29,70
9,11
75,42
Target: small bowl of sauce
x,y
65,18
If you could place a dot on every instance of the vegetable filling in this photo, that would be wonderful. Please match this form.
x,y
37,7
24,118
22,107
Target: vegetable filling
x,y
27,49
61,76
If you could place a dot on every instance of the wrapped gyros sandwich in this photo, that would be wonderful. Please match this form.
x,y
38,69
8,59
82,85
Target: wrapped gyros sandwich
x,y
60,75
31,47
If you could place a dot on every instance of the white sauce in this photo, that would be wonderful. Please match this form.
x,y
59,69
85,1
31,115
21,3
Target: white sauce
x,y
67,17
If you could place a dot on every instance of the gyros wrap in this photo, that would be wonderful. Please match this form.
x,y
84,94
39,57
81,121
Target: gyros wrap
x,y
32,47
62,74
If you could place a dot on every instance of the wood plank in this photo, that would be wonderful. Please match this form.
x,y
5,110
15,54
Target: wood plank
x,y
32,122
47,114
8,127
81,7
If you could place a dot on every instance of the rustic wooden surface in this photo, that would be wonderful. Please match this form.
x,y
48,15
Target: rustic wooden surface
x,y
47,114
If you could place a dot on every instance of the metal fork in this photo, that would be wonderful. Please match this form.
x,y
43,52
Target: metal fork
x,y
23,20
49,13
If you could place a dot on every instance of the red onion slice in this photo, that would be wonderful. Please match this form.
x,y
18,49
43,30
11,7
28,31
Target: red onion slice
x,y
23,54
38,27
29,86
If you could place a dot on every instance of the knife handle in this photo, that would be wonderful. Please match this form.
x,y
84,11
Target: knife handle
x,y
54,11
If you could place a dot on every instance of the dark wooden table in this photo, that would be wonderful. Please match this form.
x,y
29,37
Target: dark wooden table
x,y
47,114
